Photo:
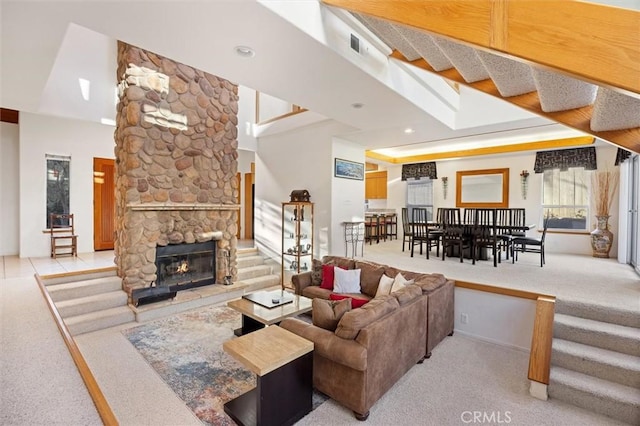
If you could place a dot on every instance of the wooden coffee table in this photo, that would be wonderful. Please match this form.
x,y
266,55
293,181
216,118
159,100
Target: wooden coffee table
x,y
256,316
283,363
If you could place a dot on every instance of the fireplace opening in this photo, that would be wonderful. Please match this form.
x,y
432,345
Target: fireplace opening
x,y
184,266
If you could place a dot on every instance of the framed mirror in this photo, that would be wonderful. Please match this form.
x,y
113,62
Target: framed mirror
x,y
487,188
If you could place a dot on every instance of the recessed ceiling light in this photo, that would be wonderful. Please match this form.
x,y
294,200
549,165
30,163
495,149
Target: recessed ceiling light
x,y
409,130
357,105
245,51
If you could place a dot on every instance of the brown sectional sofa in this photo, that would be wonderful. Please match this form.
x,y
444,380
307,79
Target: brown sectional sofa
x,y
438,290
375,345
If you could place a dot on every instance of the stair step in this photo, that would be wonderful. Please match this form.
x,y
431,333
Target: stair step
x,y
253,272
597,362
249,251
84,288
249,260
97,302
604,335
99,320
601,396
610,314
259,283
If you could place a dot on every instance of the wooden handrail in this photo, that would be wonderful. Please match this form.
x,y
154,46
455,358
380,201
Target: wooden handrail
x,y
540,356
102,406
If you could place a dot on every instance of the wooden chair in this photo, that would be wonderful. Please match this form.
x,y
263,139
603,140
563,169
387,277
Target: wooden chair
x,y
63,236
406,228
453,232
420,232
530,245
484,234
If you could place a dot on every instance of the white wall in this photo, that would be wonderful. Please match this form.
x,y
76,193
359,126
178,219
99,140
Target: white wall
x,y
516,162
9,188
347,198
82,140
495,318
295,160
246,118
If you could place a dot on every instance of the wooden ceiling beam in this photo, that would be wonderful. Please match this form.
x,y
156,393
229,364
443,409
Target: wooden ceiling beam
x,y
578,118
592,42
489,150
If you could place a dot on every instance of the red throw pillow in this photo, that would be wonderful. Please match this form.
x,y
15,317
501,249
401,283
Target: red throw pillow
x,y
355,303
328,276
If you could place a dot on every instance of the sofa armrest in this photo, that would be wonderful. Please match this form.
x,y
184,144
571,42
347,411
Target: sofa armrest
x,y
301,281
326,344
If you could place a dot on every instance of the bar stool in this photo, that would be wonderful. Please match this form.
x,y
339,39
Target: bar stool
x,y
391,225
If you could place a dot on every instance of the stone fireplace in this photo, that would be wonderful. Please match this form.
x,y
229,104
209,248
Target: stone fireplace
x,y
176,164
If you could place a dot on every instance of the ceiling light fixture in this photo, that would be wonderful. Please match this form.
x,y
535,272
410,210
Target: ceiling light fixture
x,y
357,105
245,51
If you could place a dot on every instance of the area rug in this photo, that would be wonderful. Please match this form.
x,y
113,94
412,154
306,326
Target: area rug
x,y
186,351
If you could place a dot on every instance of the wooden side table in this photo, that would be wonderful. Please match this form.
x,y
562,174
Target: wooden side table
x,y
283,363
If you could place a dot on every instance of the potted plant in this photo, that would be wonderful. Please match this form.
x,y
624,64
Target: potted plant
x,y
604,185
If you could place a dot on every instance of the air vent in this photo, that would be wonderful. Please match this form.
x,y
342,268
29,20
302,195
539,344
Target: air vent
x,y
355,43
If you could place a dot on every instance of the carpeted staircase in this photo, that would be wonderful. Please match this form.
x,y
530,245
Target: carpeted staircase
x,y
95,300
595,361
90,302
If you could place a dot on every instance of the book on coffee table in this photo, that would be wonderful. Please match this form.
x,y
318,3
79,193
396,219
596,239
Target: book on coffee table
x,y
270,299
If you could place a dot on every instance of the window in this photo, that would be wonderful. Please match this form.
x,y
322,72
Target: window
x,y
420,194
565,197
57,185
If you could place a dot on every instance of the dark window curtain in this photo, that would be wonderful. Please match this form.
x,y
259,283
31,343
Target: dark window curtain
x,y
622,155
419,170
564,158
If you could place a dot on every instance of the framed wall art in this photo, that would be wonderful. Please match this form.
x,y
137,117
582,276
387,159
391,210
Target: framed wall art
x,y
348,169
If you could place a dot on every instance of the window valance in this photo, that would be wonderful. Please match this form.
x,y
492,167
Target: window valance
x,y
622,155
419,170
564,158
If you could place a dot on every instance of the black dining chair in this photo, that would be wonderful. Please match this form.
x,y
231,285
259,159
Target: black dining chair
x,y
420,232
504,231
453,233
406,228
484,234
530,245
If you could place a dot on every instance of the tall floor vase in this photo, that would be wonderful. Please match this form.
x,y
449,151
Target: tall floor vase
x,y
601,238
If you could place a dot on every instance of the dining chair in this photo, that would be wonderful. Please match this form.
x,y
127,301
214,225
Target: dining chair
x,y
530,244
469,216
484,234
406,228
63,235
504,231
420,232
453,233
518,218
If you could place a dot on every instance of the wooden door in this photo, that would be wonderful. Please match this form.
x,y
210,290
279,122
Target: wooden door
x,y
104,203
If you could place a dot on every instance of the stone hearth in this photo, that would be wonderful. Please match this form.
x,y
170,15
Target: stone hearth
x,y
176,162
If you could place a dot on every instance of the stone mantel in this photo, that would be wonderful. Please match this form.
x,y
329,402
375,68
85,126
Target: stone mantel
x,y
182,206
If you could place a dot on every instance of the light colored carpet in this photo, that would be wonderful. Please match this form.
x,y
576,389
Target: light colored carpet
x,y
464,379
39,383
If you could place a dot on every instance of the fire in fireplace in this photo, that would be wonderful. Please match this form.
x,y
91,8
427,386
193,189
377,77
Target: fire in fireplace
x,y
183,266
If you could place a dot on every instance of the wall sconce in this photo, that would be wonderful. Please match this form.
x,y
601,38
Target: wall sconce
x,y
445,185
524,177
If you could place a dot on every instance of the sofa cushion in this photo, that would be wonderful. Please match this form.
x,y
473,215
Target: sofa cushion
x,y
384,286
407,293
328,276
314,291
327,313
430,282
316,272
355,301
346,281
369,277
353,321
399,282
343,262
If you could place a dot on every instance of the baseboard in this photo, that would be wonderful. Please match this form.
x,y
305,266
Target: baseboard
x,y
492,341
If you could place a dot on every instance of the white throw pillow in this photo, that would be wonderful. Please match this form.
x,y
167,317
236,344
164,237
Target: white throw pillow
x,y
384,286
400,282
346,280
